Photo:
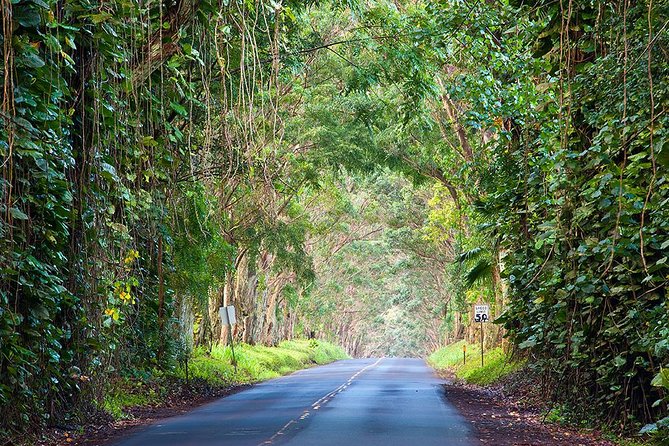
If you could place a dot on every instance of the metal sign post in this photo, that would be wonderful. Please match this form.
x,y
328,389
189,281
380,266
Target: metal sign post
x,y
481,314
481,343
228,318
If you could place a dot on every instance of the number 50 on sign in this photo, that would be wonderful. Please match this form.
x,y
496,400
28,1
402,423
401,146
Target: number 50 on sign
x,y
481,313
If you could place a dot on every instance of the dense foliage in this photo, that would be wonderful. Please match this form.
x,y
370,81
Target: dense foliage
x,y
559,114
142,170
585,224
366,171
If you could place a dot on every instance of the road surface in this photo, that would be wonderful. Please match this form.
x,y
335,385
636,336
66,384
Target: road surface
x,y
366,402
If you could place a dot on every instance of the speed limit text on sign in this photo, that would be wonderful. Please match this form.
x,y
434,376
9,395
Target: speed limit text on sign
x,y
481,313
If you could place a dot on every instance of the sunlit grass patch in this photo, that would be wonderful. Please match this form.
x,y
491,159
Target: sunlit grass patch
x,y
129,393
257,362
496,363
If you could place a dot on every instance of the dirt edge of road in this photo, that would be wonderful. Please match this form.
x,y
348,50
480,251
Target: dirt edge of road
x,y
104,431
501,420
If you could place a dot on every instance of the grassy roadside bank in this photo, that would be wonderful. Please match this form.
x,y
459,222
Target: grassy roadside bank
x,y
212,371
496,363
499,372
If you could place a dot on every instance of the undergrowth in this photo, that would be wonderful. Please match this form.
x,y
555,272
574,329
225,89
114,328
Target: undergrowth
x,y
496,363
129,393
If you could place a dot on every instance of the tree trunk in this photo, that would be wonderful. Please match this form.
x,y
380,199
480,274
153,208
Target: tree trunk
x,y
215,300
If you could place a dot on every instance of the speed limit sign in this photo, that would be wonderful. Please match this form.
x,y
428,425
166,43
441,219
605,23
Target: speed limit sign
x,y
481,313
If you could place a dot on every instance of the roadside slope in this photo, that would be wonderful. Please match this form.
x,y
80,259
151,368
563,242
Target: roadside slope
x,y
135,401
501,401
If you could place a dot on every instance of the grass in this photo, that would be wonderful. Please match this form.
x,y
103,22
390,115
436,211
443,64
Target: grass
x,y
126,394
258,363
496,363
254,363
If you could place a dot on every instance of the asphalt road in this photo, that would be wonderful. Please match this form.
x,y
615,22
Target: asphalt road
x,y
366,402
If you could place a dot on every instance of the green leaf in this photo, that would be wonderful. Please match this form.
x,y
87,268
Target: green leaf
x,y
648,429
619,361
661,379
178,108
480,271
41,3
149,141
531,342
99,18
31,60
109,172
28,17
18,214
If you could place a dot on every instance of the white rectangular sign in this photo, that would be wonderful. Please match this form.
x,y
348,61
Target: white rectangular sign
x,y
227,315
481,313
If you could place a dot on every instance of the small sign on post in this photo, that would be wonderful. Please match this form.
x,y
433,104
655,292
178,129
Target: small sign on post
x,y
228,319
482,314
228,316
